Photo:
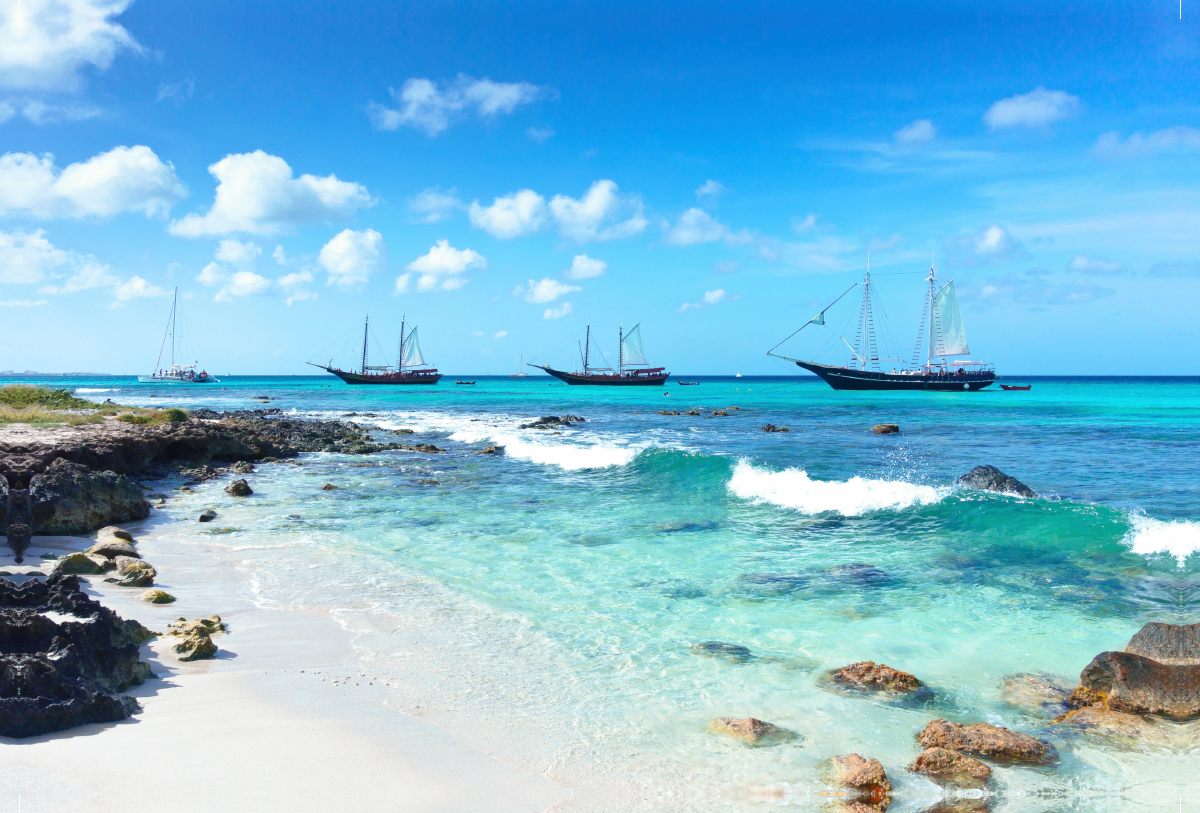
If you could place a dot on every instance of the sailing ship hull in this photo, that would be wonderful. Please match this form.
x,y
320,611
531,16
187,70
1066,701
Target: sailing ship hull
x,y
601,380
155,379
356,379
842,378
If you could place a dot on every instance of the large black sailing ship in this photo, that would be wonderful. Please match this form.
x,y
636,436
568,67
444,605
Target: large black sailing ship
x,y
941,334
411,367
632,368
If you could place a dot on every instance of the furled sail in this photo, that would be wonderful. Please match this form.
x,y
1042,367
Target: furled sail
x,y
631,346
412,351
952,336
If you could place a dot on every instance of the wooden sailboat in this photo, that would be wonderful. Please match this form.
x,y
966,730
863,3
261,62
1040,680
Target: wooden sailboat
x,y
945,338
410,363
175,373
632,367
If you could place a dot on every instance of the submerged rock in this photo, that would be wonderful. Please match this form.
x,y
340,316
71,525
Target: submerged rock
x,y
239,488
773,428
329,487
990,478
871,676
863,775
885,428
1158,673
720,413
493,450
1035,692
553,422
751,731
986,740
860,573
950,766
70,499
720,649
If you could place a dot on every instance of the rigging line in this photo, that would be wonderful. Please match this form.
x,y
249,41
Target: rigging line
x,y
560,346
336,341
809,322
889,334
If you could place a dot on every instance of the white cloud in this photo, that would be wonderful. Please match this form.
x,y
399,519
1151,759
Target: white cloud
x,y
433,205
1110,145
423,105
238,253
294,279
540,134
715,297
801,226
124,179
557,312
279,255
22,303
993,244
44,45
137,288
499,334
698,226
514,215
352,256
476,332
584,267
241,280
257,194
914,135
725,266
440,267
547,290
177,92
1032,290
242,283
710,188
1038,108
26,258
39,112
1091,265
402,284
583,220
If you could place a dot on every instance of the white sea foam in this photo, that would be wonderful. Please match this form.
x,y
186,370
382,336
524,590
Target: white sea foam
x,y
572,450
794,489
1180,538
95,389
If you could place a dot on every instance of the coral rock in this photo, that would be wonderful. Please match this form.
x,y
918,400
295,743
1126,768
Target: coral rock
x,y
872,676
950,765
751,731
885,428
986,740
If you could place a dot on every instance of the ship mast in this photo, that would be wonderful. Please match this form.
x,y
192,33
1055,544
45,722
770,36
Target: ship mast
x,y
587,348
621,350
174,305
866,329
366,323
932,316
400,350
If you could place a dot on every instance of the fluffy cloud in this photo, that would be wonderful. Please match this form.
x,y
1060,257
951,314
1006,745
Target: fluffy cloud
x,y
584,267
547,290
499,334
1037,108
28,258
238,280
584,220
257,194
39,112
1110,145
557,312
125,179
1090,265
1032,289
514,215
440,268
992,244
44,45
352,256
698,226
807,224
710,189
914,135
540,134
242,283
710,298
293,285
433,205
423,105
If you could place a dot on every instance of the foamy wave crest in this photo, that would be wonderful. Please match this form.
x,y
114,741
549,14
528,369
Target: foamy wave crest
x,y
95,389
568,453
1180,538
794,489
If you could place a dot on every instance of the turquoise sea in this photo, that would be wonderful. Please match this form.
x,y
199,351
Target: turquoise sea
x,y
547,601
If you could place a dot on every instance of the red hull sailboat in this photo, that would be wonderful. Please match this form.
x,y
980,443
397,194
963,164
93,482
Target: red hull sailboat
x,y
632,367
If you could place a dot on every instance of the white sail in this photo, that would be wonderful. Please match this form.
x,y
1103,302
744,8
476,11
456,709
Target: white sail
x,y
952,336
631,346
412,351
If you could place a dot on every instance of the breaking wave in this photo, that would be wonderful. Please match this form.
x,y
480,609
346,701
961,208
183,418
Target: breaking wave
x,y
95,389
1180,538
794,489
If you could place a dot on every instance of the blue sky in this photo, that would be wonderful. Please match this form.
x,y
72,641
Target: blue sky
x,y
503,173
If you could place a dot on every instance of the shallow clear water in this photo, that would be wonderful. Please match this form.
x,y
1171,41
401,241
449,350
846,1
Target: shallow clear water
x,y
548,600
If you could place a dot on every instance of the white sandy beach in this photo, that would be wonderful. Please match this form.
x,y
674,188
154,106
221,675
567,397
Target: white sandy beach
x,y
278,721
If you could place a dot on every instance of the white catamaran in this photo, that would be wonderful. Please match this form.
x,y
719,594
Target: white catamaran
x,y
175,373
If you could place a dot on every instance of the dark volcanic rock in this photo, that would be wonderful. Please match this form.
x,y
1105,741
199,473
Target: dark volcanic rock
x,y
990,478
55,676
986,740
553,422
208,516
773,428
239,488
68,498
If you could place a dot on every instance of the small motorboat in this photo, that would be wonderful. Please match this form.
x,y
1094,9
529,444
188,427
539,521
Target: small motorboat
x,y
689,383
1014,387
465,382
